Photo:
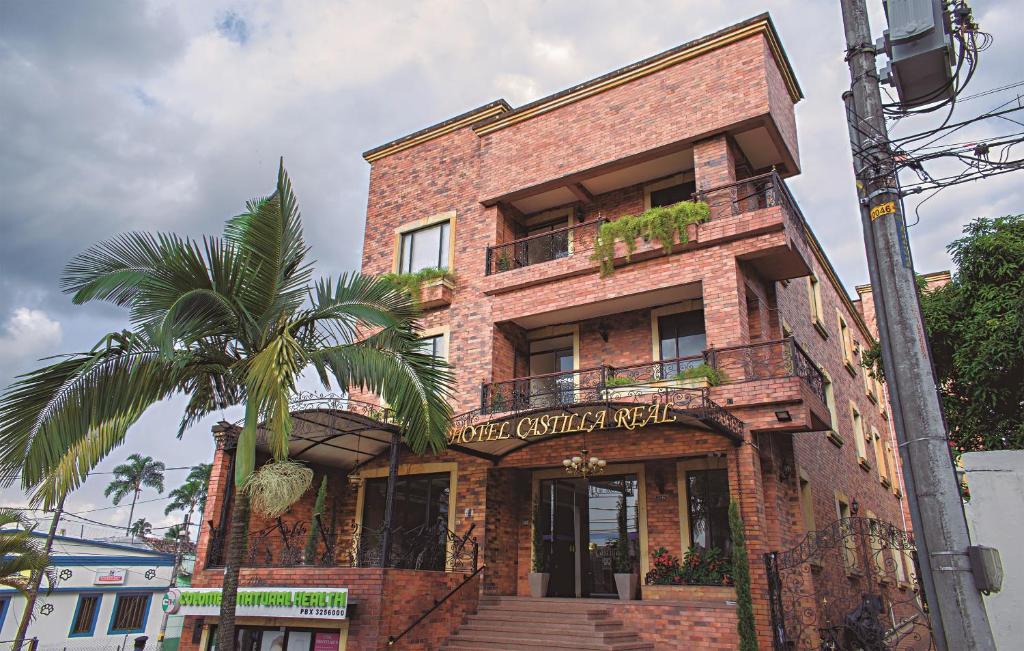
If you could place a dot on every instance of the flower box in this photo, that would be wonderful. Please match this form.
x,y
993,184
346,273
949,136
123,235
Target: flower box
x,y
688,593
436,293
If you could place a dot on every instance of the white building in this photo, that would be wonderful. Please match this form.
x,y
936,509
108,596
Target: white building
x,y
106,595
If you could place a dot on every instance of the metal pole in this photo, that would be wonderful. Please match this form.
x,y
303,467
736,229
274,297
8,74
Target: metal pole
x,y
940,528
174,573
389,502
36,580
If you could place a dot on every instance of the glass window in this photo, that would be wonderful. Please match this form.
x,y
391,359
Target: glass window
x,y
420,512
130,613
551,247
424,248
681,335
436,346
707,493
858,434
673,194
83,623
814,297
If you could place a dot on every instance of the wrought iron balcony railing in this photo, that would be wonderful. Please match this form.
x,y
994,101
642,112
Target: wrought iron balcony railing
x,y
543,247
749,194
768,360
288,544
758,361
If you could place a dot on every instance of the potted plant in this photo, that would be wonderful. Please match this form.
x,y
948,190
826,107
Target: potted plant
x,y
539,576
625,579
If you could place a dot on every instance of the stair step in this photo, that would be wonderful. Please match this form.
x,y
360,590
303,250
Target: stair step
x,y
538,644
566,632
544,616
513,625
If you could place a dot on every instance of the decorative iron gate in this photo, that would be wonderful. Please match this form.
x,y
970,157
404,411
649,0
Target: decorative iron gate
x,y
850,586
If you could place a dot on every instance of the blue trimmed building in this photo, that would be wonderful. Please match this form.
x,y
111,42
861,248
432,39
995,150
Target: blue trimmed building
x,y
106,595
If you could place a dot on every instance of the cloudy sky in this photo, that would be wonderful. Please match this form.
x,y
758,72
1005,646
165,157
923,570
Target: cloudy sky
x,y
168,115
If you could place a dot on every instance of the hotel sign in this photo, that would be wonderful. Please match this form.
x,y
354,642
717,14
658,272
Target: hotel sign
x,y
307,603
546,425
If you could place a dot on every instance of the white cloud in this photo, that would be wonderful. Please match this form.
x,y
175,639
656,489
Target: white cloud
x,y
28,334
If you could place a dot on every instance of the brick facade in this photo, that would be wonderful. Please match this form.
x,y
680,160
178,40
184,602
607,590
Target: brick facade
x,y
715,114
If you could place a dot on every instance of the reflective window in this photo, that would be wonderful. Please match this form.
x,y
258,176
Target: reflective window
x,y
425,248
707,494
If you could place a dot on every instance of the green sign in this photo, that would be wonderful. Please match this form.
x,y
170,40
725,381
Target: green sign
x,y
303,602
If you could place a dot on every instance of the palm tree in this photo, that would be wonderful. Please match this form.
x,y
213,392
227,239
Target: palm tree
x,y
21,555
229,321
140,528
191,495
131,476
173,532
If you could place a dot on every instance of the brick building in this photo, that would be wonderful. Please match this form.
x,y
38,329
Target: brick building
x,y
727,369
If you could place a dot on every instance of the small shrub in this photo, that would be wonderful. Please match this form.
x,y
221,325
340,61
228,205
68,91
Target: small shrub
x,y
713,375
411,283
698,567
619,381
664,224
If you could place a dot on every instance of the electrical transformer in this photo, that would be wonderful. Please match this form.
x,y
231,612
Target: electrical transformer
x,y
919,45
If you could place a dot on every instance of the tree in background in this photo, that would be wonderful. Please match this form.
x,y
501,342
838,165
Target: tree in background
x,y
129,479
140,528
976,325
191,495
226,321
173,532
21,554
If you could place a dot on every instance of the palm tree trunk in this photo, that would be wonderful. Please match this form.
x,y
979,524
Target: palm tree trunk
x,y
131,514
237,542
36,580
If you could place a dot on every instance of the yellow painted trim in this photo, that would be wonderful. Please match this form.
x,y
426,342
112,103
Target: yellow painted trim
x,y
430,468
448,216
435,133
204,637
806,508
837,285
667,182
830,400
758,28
637,469
688,305
697,463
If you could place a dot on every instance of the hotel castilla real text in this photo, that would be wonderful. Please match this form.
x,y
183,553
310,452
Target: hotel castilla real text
x,y
614,394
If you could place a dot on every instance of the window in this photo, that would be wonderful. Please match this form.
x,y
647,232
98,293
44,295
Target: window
x,y
5,603
83,623
890,466
681,335
870,384
880,461
424,248
846,344
435,345
673,194
858,436
420,509
130,613
830,401
849,541
814,298
554,360
707,505
547,241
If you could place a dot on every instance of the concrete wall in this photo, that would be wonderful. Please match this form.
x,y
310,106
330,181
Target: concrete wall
x,y
996,481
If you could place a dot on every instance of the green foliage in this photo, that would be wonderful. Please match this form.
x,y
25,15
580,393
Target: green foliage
x,y
504,262
226,321
141,528
21,554
410,283
619,381
666,225
312,539
975,326
623,565
698,567
713,375
540,552
191,495
134,474
741,577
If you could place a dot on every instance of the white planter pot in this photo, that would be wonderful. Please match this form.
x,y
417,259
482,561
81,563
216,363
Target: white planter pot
x,y
539,584
626,586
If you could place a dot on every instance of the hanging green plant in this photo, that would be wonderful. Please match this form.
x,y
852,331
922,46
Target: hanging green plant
x,y
412,282
666,225
312,539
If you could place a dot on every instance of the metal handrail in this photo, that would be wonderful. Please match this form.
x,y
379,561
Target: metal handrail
x,y
517,259
393,639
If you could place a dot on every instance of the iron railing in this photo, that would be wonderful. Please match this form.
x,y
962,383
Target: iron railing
x,y
767,360
288,544
543,247
758,361
749,194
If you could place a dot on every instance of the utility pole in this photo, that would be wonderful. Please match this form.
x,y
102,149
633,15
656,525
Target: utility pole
x,y
183,536
36,580
959,621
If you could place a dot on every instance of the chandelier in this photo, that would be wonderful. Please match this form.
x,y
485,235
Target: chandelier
x,y
584,465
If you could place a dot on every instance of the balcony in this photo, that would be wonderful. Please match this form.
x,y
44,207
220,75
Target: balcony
x,y
652,380
544,247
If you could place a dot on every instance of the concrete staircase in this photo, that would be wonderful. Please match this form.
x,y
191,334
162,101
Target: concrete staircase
x,y
525,624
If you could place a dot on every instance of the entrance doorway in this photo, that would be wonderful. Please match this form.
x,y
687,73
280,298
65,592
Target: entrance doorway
x,y
582,522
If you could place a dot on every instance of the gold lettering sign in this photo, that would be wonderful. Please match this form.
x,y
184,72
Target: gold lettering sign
x,y
588,420
885,208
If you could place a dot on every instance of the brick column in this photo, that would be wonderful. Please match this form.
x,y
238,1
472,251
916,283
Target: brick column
x,y
714,166
725,304
221,484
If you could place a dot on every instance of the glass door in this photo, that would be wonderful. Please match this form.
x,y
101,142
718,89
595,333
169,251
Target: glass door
x,y
611,517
